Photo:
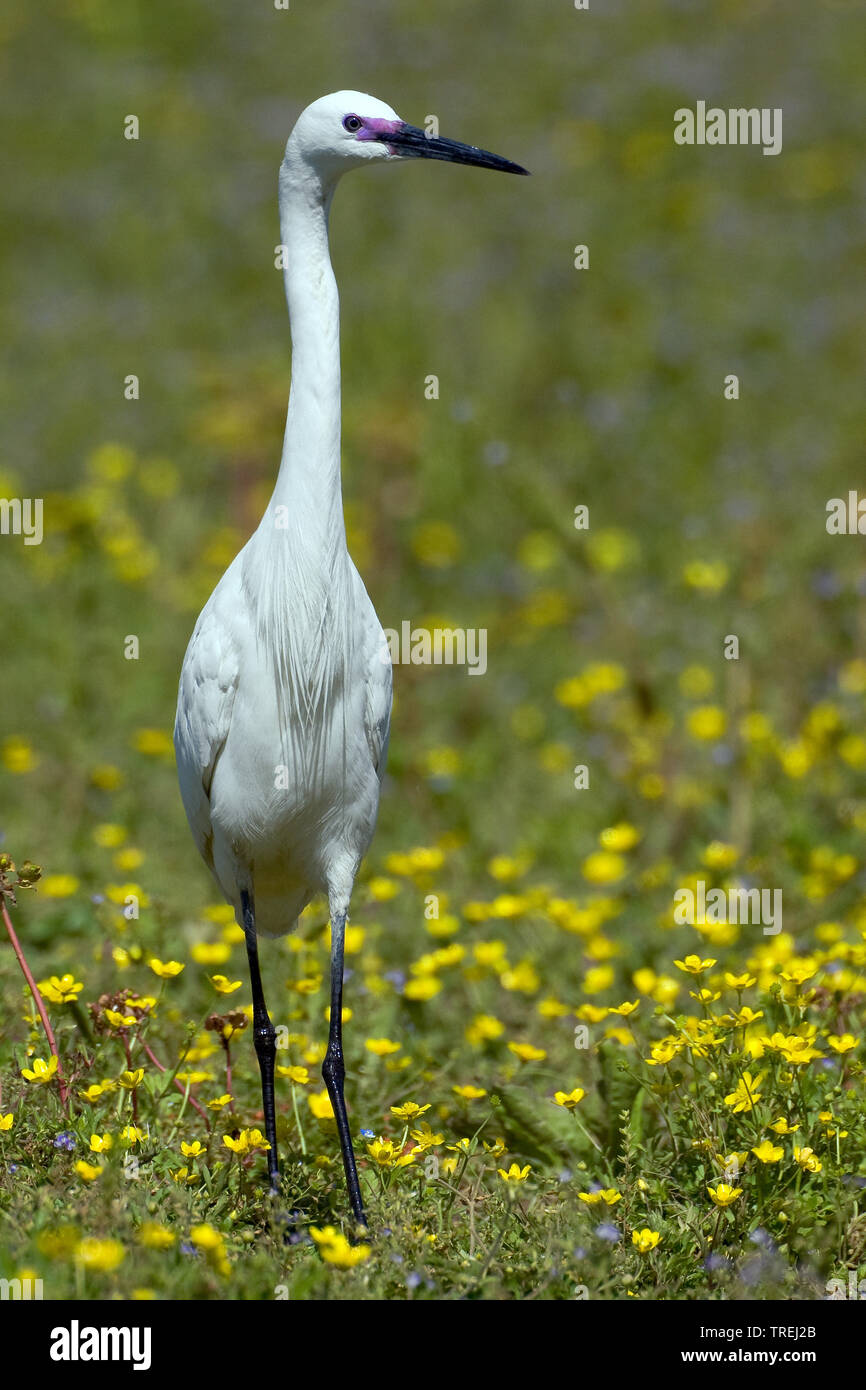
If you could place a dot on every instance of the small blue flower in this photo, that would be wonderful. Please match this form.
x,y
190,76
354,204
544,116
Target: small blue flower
x,y
607,1231
717,1262
762,1238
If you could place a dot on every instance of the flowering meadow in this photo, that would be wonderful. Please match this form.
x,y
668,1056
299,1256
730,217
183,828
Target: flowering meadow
x,y
560,1084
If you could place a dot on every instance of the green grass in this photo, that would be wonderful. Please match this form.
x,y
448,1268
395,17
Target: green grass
x,y
605,646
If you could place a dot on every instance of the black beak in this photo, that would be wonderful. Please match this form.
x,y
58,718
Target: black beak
x,y
414,143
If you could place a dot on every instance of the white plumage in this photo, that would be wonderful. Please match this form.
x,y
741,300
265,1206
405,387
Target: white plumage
x,y
284,702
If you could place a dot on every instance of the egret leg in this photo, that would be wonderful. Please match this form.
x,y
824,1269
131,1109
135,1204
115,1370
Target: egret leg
x,y
264,1038
334,1070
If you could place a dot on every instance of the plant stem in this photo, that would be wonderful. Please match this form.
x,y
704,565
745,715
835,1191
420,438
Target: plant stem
x,y
37,998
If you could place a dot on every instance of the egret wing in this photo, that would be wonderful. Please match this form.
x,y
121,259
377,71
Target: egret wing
x,y
378,680
208,684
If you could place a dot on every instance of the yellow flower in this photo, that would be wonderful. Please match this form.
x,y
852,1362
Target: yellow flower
x,y
496,1149
106,777
118,1020
724,1195
747,1095
506,869
382,889
210,952
469,1092
87,1171
103,1255
61,989
320,1105
523,978
422,988
693,965
311,985
707,722
386,1154
709,576
781,1126
153,743
618,837
247,1140
608,1195
768,1152
212,1245
547,1008
109,835
299,1075
646,1240
155,1237
463,1146
130,1079
808,1160
597,979
603,867
194,1150
100,1143
719,855
484,1028
59,885
526,1052
844,1042
569,1099
97,1089
515,1173
18,756
184,1176
165,969
41,1072
220,1102
425,1138
222,985
204,1237
739,981
336,1250
128,860
6,1122
664,1051
409,1111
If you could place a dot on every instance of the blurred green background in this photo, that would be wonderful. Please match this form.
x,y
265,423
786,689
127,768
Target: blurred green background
x,y
557,387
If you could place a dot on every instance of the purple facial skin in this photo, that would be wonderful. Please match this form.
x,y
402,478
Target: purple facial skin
x,y
410,142
376,128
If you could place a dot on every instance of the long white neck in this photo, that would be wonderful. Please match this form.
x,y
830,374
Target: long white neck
x,y
297,565
309,476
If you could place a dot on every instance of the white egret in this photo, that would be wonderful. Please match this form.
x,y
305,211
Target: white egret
x,y
284,703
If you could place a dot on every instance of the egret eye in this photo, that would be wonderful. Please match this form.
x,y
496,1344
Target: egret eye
x,y
352,123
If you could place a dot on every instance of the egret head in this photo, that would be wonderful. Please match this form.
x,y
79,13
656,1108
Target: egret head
x,y
346,129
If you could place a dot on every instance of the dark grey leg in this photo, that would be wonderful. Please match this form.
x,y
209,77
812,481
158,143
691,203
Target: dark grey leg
x,y
334,1071
264,1038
